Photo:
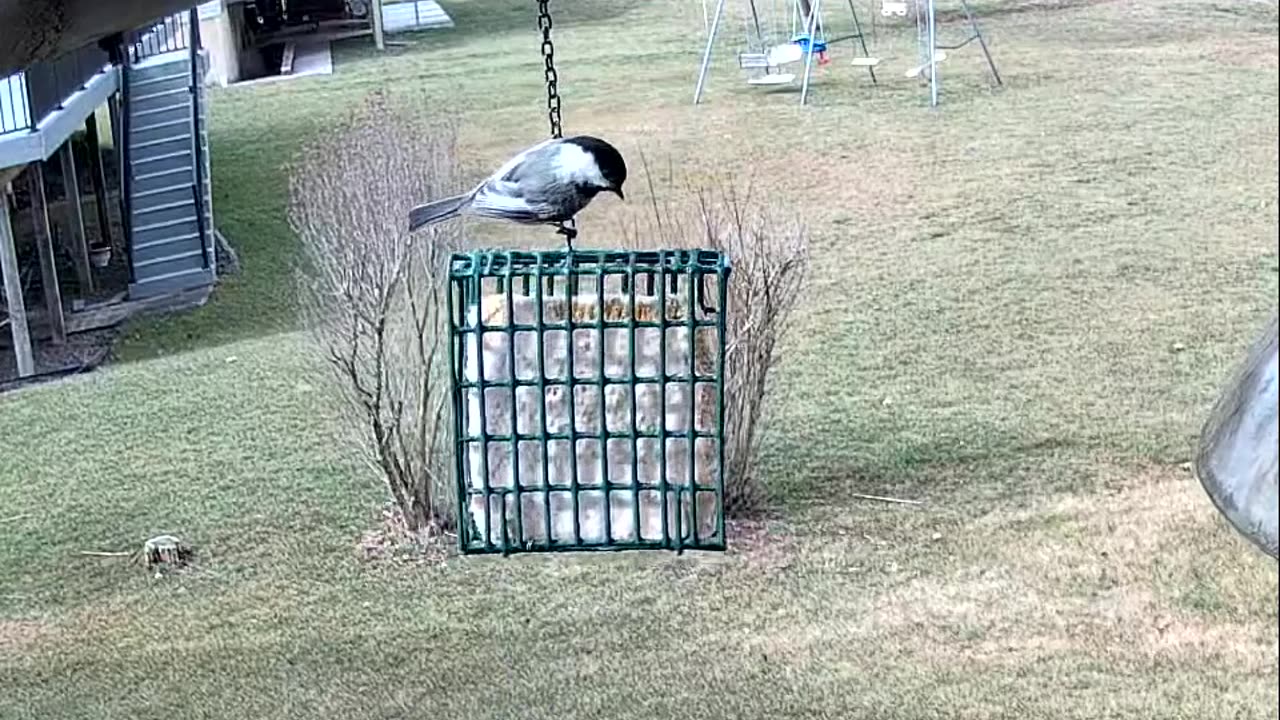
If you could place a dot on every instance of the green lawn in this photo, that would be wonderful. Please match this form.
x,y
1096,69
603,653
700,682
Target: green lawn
x,y
1021,308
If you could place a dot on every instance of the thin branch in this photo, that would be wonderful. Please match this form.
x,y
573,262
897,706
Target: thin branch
x,y
881,498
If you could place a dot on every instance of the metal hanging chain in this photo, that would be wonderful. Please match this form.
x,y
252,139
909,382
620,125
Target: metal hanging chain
x,y
549,60
568,228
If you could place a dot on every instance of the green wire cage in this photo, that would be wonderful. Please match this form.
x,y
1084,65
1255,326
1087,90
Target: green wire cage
x,y
588,399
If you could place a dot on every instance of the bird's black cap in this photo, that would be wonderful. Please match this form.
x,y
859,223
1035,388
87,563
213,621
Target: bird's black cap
x,y
612,166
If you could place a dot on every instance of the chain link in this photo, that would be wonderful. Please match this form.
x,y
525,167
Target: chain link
x,y
568,227
549,61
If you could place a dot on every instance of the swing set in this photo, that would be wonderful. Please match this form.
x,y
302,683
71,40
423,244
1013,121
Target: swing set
x,y
768,56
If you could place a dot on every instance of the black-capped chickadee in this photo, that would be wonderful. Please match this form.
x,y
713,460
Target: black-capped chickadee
x,y
548,183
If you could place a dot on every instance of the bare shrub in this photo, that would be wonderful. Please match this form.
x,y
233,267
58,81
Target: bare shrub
x,y
769,253
373,297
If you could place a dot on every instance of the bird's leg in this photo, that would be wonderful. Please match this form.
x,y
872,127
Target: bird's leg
x,y
569,233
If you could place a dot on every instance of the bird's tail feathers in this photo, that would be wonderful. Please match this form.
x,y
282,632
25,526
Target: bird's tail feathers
x,y
434,212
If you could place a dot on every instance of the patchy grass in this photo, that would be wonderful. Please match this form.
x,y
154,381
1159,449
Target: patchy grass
x,y
1021,310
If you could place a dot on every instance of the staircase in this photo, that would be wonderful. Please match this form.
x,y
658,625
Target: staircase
x,y
170,219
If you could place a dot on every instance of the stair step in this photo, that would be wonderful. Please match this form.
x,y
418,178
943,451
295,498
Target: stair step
x,y
165,179
157,158
199,252
184,204
153,111
171,282
162,93
165,151
160,79
160,190
153,118
165,246
167,276
152,143
160,131
167,241
165,223
161,173
179,64
164,232
157,126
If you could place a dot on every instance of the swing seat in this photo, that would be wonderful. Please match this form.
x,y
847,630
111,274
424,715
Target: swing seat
x,y
915,71
866,62
753,61
802,42
784,54
773,79
889,9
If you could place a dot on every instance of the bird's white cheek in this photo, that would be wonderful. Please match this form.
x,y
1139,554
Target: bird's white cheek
x,y
577,165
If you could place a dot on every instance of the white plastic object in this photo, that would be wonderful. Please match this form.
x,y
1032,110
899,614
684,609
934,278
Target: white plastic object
x,y
773,79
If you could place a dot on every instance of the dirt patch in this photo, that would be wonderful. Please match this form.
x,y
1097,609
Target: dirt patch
x,y
760,544
1260,56
81,353
1140,571
392,541
18,636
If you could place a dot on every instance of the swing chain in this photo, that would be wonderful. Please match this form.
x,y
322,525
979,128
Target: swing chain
x,y
549,60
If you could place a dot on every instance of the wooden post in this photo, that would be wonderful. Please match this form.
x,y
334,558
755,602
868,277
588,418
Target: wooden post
x,y
375,9
44,246
98,175
13,294
79,245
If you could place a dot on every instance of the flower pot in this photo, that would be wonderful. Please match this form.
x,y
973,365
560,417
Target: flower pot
x,y
100,256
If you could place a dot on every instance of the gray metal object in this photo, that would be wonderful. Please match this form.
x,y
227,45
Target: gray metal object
x,y
927,39
815,12
706,54
1237,458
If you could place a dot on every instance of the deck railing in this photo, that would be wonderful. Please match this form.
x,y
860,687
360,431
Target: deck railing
x,y
28,96
167,34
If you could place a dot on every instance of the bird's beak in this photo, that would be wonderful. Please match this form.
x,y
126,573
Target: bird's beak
x,y
618,191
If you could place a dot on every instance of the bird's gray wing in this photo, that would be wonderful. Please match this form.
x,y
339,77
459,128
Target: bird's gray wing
x,y
503,200
518,167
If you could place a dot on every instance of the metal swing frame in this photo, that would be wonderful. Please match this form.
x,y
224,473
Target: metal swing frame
x,y
927,42
812,22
